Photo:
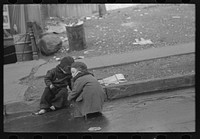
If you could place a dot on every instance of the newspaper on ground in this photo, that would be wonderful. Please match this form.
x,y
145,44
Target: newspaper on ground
x,y
115,79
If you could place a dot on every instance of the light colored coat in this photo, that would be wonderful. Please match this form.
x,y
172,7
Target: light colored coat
x,y
88,95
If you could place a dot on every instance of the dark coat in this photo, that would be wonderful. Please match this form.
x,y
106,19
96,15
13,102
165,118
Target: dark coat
x,y
56,96
56,77
87,94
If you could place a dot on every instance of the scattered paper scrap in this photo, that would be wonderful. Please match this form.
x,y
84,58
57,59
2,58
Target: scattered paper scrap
x,y
143,41
74,24
94,128
78,57
176,17
86,52
58,59
115,79
88,18
64,39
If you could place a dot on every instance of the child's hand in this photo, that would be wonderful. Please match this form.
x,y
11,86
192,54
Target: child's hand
x,y
71,105
68,88
51,86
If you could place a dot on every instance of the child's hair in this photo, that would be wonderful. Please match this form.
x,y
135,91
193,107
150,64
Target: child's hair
x,y
79,66
66,62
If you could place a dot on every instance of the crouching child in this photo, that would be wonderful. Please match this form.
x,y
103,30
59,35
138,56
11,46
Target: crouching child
x,y
57,80
87,93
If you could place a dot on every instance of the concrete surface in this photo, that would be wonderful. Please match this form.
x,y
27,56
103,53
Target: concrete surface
x,y
13,91
124,58
164,111
133,88
117,91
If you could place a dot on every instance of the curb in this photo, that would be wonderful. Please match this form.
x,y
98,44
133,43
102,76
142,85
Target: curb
x,y
133,88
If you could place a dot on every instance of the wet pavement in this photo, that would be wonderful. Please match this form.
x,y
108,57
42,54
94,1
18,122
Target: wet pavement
x,y
164,111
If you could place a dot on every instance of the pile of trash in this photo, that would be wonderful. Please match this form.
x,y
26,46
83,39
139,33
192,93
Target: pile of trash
x,y
70,22
49,44
58,25
53,21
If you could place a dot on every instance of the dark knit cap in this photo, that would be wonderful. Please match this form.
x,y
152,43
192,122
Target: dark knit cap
x,y
80,66
66,61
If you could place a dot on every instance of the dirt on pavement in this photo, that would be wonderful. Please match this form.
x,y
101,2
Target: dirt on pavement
x,y
164,25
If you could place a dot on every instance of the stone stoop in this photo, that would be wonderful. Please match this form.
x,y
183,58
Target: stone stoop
x,y
132,88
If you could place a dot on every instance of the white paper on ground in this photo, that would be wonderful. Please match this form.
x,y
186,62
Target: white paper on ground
x,y
115,79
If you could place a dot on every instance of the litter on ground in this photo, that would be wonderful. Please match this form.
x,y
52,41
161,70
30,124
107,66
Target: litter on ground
x,y
86,52
143,41
176,17
115,79
94,128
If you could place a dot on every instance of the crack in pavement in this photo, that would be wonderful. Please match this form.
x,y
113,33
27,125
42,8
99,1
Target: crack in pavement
x,y
158,98
31,75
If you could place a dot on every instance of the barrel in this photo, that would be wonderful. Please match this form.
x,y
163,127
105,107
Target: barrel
x,y
23,51
76,37
9,51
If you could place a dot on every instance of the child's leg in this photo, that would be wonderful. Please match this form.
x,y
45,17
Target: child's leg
x,y
45,101
60,99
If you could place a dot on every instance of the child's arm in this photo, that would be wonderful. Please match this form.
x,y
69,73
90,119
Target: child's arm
x,y
77,89
48,78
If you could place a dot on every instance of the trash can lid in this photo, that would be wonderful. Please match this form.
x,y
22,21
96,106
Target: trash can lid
x,y
73,24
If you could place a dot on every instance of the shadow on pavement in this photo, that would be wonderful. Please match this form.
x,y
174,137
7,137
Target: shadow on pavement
x,y
58,121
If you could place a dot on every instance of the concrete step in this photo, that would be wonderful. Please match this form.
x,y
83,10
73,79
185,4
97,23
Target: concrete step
x,y
134,88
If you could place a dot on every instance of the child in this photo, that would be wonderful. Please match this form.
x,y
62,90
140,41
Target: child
x,y
87,93
56,92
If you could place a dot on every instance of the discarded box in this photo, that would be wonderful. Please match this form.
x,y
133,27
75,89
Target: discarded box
x,y
115,79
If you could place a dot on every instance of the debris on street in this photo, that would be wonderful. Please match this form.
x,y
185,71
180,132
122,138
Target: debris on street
x,y
143,41
88,18
94,128
64,39
49,44
115,34
115,79
58,59
86,52
176,17
78,22
78,57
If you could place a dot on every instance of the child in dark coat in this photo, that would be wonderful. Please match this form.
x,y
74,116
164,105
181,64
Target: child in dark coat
x,y
56,92
87,93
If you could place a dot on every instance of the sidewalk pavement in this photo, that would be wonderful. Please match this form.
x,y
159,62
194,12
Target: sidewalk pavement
x,y
14,92
125,58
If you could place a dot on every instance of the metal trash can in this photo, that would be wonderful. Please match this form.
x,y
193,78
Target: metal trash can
x,y
76,36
